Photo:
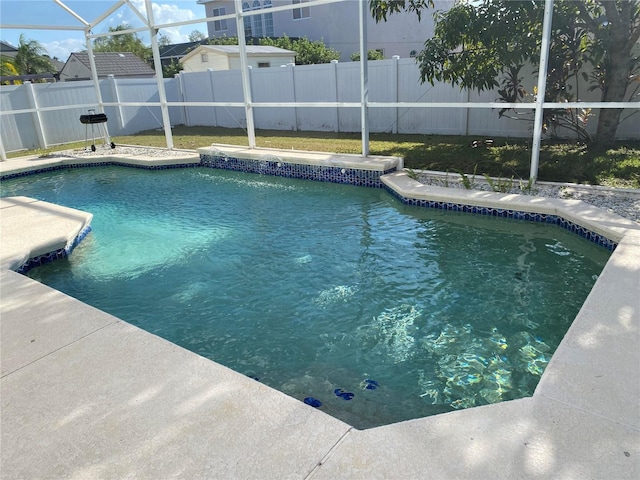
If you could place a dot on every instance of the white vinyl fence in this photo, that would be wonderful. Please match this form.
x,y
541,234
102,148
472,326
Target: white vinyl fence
x,y
39,115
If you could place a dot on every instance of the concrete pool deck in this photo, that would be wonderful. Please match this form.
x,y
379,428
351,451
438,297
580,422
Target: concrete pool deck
x,y
86,395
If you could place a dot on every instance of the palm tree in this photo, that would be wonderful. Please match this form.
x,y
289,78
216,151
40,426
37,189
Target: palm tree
x,y
31,58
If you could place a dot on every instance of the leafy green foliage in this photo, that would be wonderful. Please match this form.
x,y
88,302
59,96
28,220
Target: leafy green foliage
x,y
469,183
125,42
169,71
307,52
371,55
197,36
380,9
223,40
476,42
31,58
499,185
7,69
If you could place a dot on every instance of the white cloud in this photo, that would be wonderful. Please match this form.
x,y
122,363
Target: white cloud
x,y
63,48
168,13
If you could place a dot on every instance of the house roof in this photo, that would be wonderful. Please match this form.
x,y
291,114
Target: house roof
x,y
57,64
178,50
251,50
7,49
119,64
233,50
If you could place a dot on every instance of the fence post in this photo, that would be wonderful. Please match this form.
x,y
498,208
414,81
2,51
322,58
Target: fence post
x,y
363,12
335,90
293,89
182,98
395,92
116,98
37,120
213,96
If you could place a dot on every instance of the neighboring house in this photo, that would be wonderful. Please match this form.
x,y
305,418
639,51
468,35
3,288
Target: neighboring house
x,y
227,57
120,65
336,24
173,53
7,50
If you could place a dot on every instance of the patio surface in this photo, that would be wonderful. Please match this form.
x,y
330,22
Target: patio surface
x,y
86,395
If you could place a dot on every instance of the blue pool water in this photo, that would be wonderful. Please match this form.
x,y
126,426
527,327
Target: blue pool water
x,y
372,311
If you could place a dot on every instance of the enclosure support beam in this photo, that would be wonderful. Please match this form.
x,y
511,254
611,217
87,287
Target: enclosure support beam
x,y
364,77
94,77
3,154
542,82
162,94
246,81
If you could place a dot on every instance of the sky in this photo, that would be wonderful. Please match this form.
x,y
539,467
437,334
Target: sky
x,y
60,43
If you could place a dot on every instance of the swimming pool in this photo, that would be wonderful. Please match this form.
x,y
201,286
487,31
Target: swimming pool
x,y
413,311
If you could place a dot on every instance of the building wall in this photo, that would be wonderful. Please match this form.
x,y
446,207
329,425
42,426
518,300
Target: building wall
x,y
214,61
219,61
256,61
337,26
74,70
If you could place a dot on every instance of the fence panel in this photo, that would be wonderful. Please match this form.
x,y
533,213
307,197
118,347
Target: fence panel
x,y
383,87
63,126
135,119
273,85
316,83
441,121
389,81
172,91
348,75
18,131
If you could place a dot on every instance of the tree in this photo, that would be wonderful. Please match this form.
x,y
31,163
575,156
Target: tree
x,y
7,69
223,40
125,42
169,71
474,43
307,52
163,40
197,36
371,55
31,58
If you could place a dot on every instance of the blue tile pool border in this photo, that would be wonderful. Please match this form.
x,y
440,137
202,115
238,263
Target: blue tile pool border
x,y
513,214
56,254
11,176
279,168
321,173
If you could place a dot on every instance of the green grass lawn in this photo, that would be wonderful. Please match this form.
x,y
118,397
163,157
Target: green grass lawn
x,y
559,161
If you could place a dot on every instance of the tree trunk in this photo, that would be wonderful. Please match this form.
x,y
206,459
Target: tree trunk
x,y
623,33
615,90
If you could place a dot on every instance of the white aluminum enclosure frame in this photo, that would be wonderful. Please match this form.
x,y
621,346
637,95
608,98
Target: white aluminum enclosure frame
x,y
152,28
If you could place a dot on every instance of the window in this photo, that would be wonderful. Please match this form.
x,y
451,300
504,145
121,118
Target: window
x,y
264,64
204,57
268,20
257,20
248,32
219,25
299,13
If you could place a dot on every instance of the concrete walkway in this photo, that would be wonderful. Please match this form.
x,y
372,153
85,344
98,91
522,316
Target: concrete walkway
x,y
86,395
